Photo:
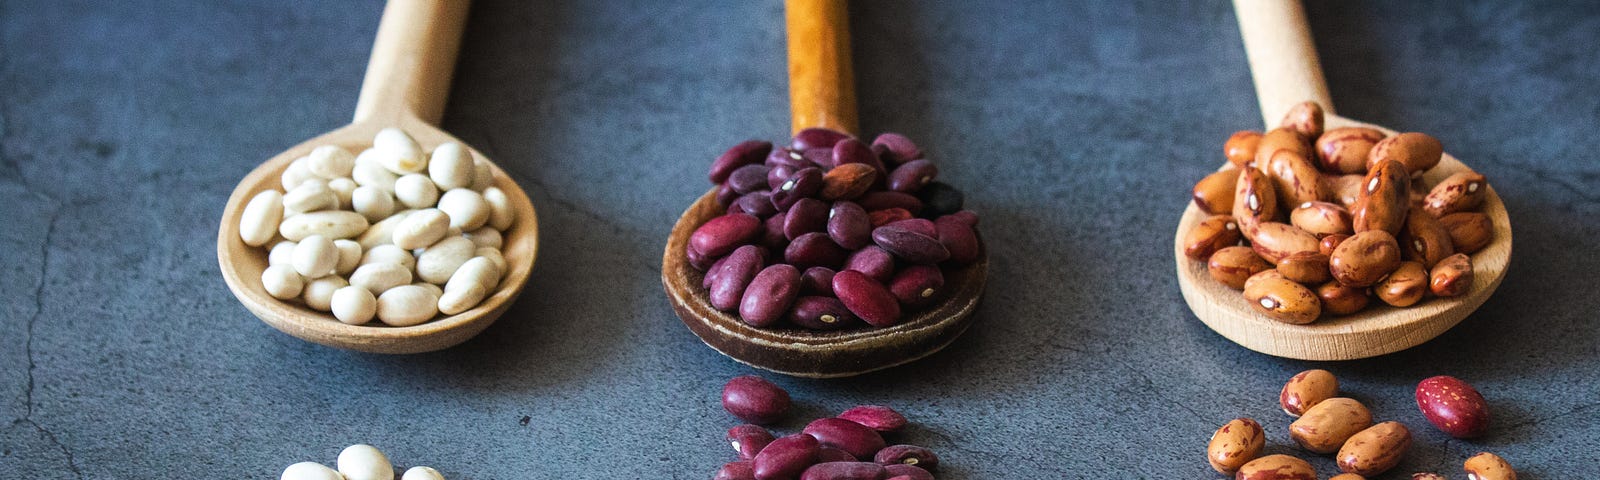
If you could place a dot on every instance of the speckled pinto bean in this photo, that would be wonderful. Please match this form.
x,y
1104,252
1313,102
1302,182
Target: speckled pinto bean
x,y
721,235
1365,258
1278,140
769,295
1273,241
1321,218
1463,191
1214,193
748,152
848,181
910,246
1276,467
1231,266
1328,243
805,216
1234,444
1284,300
1344,189
1307,268
1347,476
1338,299
860,441
754,399
917,285
1488,466
1240,149
866,298
1405,286
1416,152
876,417
821,313
786,458
1384,199
873,261
1425,240
1214,233
1424,476
732,274
748,440
958,236
1451,276
1453,406
849,226
1304,118
815,250
1296,177
1255,199
1374,450
1307,389
1325,426
802,184
1344,150
1469,231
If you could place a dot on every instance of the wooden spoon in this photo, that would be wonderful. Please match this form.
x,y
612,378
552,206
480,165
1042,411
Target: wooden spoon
x,y
407,81
1283,62
822,94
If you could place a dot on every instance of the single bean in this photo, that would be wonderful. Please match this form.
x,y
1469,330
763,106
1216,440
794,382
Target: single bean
x,y
860,441
364,462
494,256
874,261
876,417
779,174
754,399
1461,192
1364,258
721,235
848,181
1304,118
1295,177
1307,389
791,157
1425,239
866,298
758,203
884,199
917,285
344,188
282,282
787,457
849,225
887,216
730,276
349,256
853,151
920,226
1417,152
1280,140
372,202
1329,243
1234,444
1469,231
769,295
1339,299
315,257
1384,200
422,473
939,199
1240,149
1284,300
1328,424
817,281
311,196
958,237
501,215
815,250
1214,193
398,152
451,167
748,152
910,246
353,305
486,237
1321,218
772,236
369,172
1344,189
829,454
421,229
295,174
259,221
282,253
318,293
805,216
740,470
1214,233
416,191
899,148
1264,275
801,185
817,137
1488,466
407,305
310,471
1374,450
439,261
911,176
821,313
1232,265
1344,150
1405,286
1276,467
381,276
1255,199
466,208
748,440
1452,276
901,471
469,285
1306,268
1274,241
749,178
389,253
907,455
382,233
1453,406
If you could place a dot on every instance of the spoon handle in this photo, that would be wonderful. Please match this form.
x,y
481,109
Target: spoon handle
x,y
413,58
1283,60
822,90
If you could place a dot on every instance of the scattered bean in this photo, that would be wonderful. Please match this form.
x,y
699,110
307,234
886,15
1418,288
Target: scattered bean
x,y
876,417
1276,467
1374,450
310,471
1453,406
748,440
364,462
1326,426
1488,466
860,441
786,457
755,400
1234,444
1307,389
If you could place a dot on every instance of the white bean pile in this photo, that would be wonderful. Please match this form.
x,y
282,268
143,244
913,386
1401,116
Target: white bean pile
x,y
357,462
372,236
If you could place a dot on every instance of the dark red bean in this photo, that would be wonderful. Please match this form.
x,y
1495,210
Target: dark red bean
x,y
821,313
817,281
769,295
830,454
852,151
806,216
732,275
910,246
939,198
881,200
721,235
968,217
749,178
887,216
726,195
773,237
818,157
911,176
917,285
754,399
909,472
849,225
907,455
748,440
699,260
866,298
710,273
758,203
740,470
900,148
959,239
818,138
778,174
876,417
843,471
802,184
792,158
748,152
897,477
919,225
860,441
876,262
814,249
786,458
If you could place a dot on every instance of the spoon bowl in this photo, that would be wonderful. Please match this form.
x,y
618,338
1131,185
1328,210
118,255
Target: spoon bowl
x,y
404,85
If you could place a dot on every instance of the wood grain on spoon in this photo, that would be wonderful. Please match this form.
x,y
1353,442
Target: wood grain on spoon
x,y
1286,71
822,94
407,81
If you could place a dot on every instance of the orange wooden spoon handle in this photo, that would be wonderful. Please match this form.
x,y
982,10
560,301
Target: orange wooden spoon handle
x,y
822,90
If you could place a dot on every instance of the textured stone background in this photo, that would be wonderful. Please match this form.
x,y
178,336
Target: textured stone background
x,y
1076,128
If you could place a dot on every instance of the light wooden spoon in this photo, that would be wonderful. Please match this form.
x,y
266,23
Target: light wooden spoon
x,y
1284,63
821,94
407,81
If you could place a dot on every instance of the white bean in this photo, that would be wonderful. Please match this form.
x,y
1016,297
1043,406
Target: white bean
x,y
315,257
345,189
312,195
416,191
434,289
482,175
407,305
468,286
380,277
369,172
382,233
365,462
319,293
349,256
310,471
354,305
466,208
372,202
328,223
451,166
282,282
421,228
501,215
436,264
391,254
330,161
422,473
486,237
282,253
294,174
259,221
494,256
398,152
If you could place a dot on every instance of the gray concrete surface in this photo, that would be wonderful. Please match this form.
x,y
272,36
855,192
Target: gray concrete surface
x,y
1076,128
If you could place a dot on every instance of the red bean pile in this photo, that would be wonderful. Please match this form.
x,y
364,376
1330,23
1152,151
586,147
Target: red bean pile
x,y
847,447
830,232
